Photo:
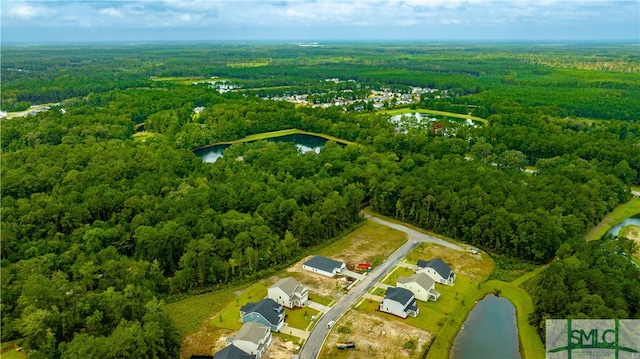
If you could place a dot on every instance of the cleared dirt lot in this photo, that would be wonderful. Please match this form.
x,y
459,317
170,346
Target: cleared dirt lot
x,y
375,337
369,243
476,266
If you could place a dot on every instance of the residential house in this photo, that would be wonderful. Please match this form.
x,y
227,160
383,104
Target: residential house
x,y
288,292
233,352
421,285
266,312
400,302
438,270
253,338
323,265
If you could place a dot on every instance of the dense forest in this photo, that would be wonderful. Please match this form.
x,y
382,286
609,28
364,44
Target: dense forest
x,y
100,226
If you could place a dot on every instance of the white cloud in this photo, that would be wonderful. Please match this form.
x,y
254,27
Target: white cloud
x,y
112,12
26,11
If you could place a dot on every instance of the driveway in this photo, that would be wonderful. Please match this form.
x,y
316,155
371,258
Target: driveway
x,y
317,306
354,275
286,329
318,335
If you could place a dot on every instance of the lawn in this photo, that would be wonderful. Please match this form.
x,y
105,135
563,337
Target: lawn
x,y
320,299
296,318
616,216
397,272
144,135
9,351
229,316
189,314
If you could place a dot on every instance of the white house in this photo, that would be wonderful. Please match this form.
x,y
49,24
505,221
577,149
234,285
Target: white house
x,y
400,302
289,293
323,265
253,338
421,285
437,270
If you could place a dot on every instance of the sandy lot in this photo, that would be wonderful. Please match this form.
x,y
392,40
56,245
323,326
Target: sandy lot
x,y
461,262
374,337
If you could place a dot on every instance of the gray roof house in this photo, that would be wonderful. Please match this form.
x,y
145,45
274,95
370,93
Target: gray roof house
x,y
400,302
253,338
233,352
438,270
323,265
266,312
421,285
288,292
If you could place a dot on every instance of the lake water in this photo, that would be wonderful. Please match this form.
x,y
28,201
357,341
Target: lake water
x,y
490,331
631,221
429,118
305,143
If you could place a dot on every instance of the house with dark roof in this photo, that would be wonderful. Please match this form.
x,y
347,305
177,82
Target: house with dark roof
x,y
288,292
421,285
266,312
400,302
323,265
233,352
438,270
253,338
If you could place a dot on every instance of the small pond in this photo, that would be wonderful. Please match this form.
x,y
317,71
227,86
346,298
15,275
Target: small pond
x,y
305,143
418,118
490,331
631,221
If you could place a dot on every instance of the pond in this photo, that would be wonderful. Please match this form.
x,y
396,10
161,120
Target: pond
x,y
490,331
305,143
417,119
631,221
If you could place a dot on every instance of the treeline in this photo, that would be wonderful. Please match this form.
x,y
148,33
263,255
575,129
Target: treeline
x,y
588,280
495,79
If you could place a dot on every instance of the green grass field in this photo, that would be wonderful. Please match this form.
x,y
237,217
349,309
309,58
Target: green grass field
x,y
397,272
144,135
293,131
229,317
616,216
189,314
296,318
10,351
320,299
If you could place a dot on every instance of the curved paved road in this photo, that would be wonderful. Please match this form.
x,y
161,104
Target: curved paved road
x,y
413,234
312,346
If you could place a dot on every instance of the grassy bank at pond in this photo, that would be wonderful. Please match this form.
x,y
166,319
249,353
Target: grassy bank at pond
x,y
530,345
293,131
616,216
400,111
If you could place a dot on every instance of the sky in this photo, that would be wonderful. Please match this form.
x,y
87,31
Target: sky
x,y
45,21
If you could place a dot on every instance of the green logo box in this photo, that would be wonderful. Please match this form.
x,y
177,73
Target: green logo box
x,y
592,338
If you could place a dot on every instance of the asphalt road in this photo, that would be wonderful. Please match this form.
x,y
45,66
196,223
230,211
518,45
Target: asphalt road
x,y
312,346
